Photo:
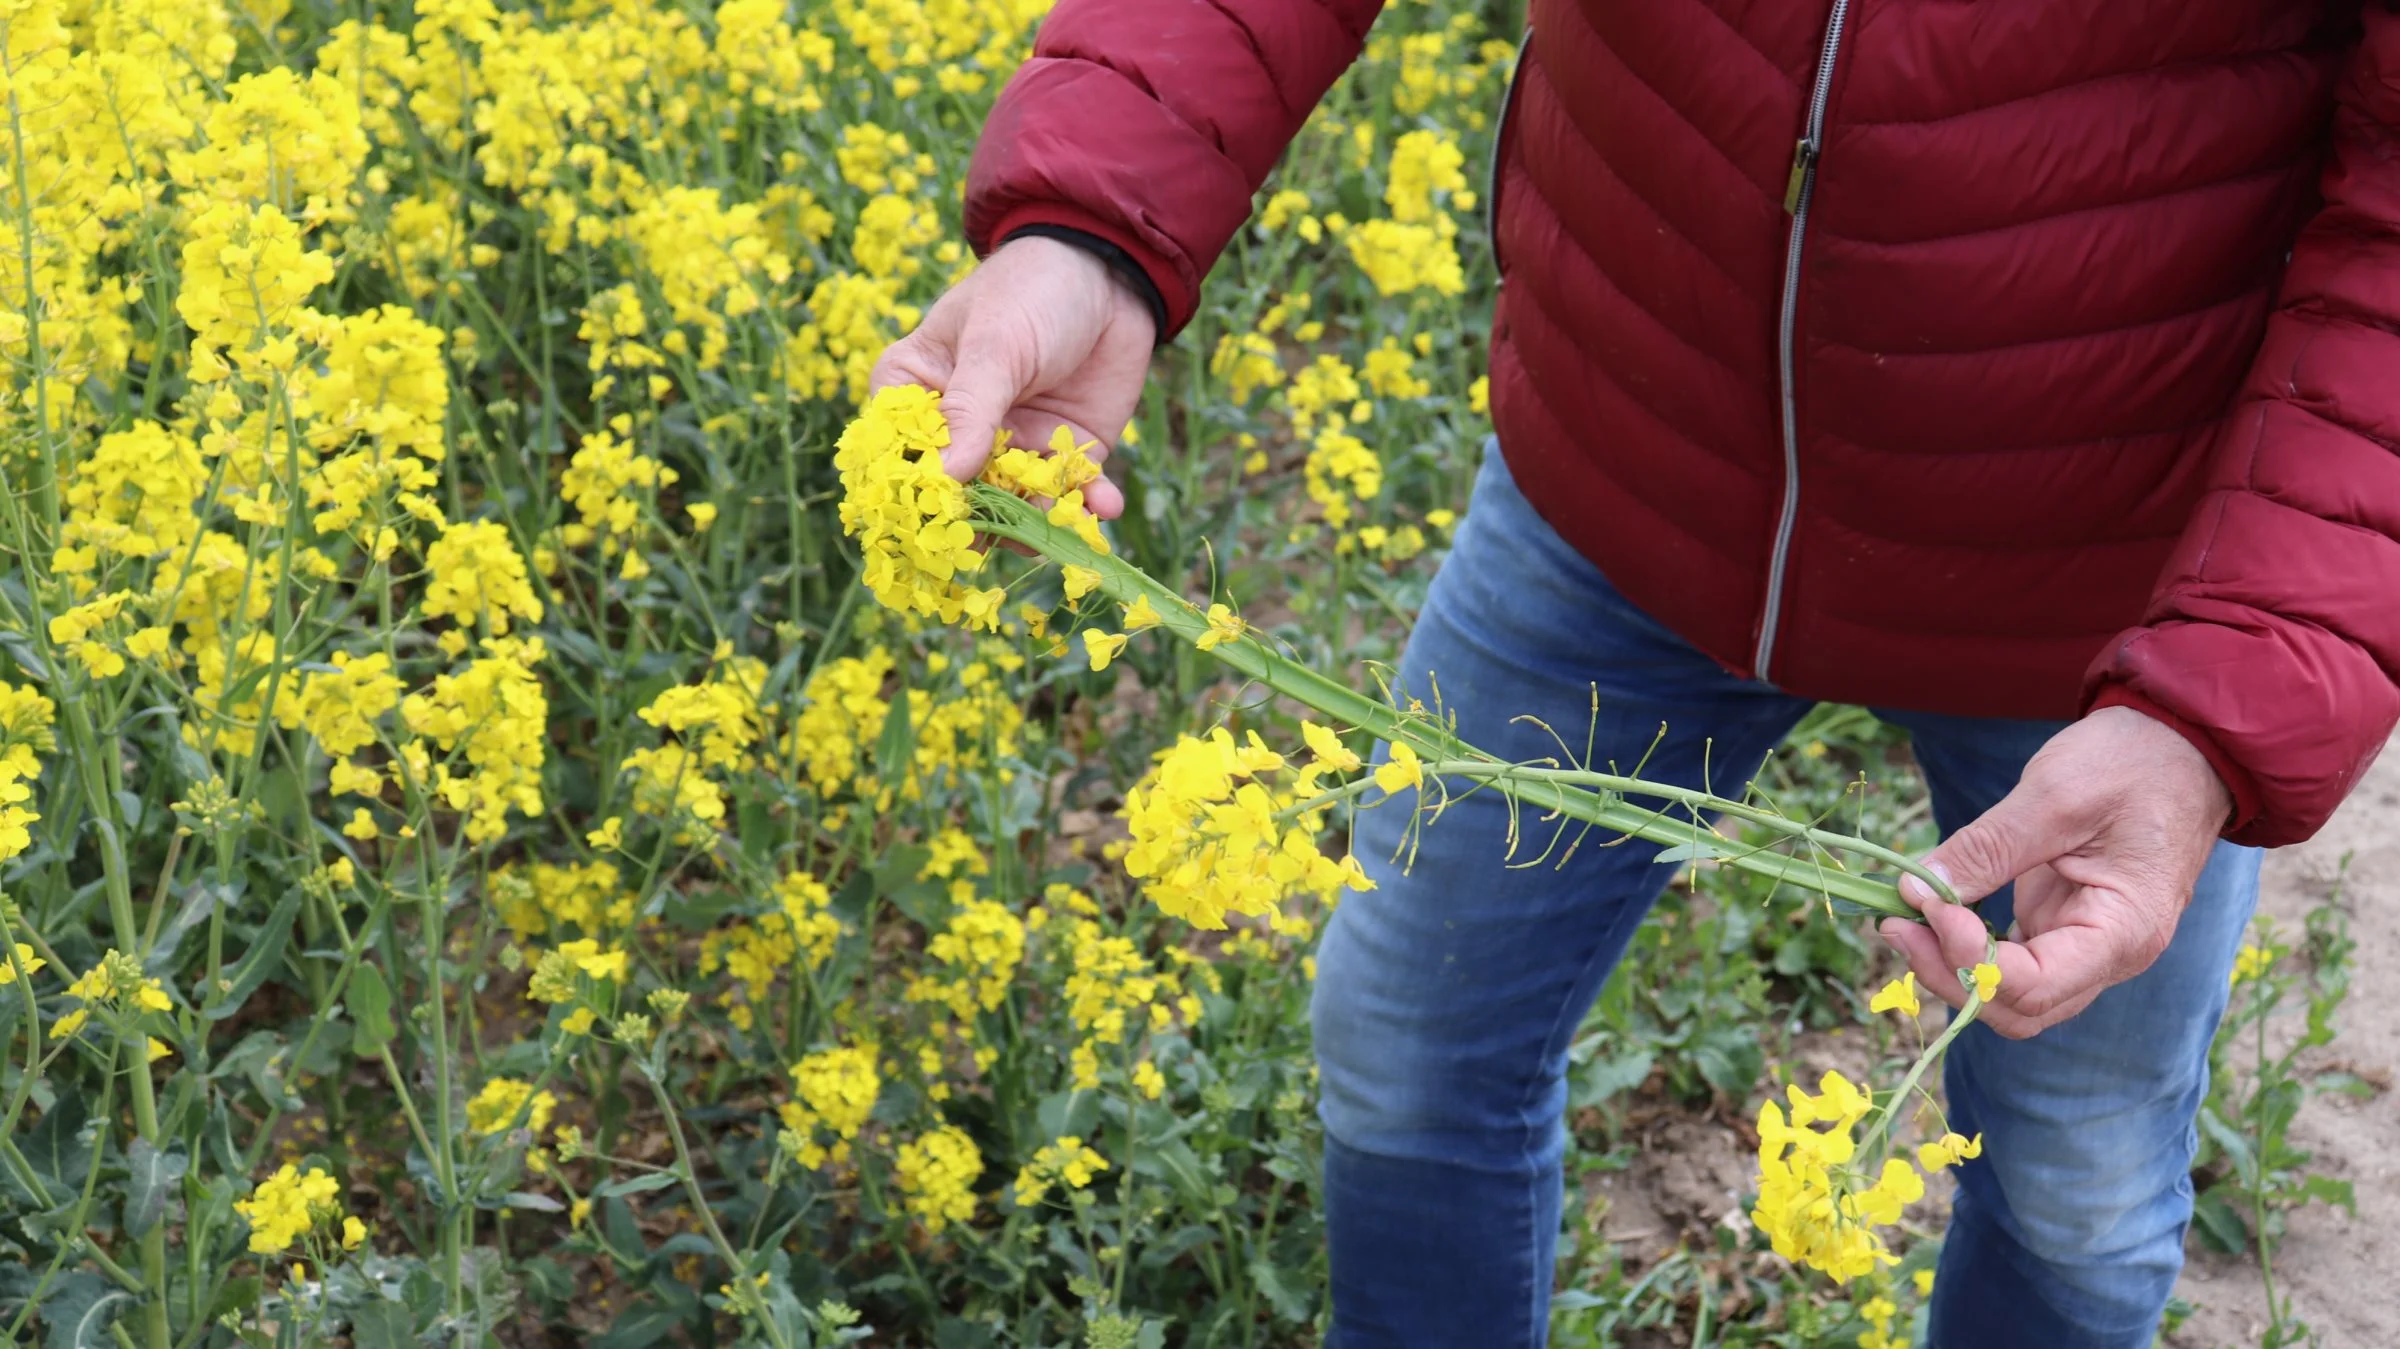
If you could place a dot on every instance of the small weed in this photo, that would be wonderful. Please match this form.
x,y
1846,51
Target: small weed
x,y
2248,1172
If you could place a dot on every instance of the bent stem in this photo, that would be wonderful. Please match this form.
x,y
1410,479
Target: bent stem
x,y
1879,1131
1593,798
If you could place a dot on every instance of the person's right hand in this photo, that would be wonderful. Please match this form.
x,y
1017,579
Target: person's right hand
x,y
1038,336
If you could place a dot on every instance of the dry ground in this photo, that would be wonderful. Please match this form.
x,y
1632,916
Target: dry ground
x,y
2339,1271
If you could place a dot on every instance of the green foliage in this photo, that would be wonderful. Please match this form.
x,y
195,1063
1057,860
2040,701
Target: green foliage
x,y
2248,1172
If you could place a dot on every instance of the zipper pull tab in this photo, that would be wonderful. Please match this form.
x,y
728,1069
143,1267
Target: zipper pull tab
x,y
1804,155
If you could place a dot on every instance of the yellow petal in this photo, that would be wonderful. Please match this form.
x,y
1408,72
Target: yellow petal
x,y
1987,980
1102,647
1900,995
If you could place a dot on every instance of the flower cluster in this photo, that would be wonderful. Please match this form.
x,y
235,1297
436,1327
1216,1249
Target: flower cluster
x,y
506,1103
289,1205
582,977
25,717
1823,1190
116,983
910,517
937,1175
1064,1162
1223,826
1812,1203
836,1090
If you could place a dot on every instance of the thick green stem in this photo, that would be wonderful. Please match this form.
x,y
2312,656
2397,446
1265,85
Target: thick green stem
x,y
699,1199
1566,792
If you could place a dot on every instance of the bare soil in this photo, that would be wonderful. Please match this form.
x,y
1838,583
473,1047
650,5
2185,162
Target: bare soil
x,y
2338,1272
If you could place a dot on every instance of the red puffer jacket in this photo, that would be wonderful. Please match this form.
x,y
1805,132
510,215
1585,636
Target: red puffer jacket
x,y
2071,378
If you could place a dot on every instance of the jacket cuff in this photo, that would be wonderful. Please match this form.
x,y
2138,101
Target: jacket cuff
x,y
1171,304
2244,789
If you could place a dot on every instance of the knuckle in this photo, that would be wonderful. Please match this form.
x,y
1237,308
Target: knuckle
x,y
1986,848
2147,947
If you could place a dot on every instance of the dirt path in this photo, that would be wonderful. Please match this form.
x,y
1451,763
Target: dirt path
x,y
2339,1271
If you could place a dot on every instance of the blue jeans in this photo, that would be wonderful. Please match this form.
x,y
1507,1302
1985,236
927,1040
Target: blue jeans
x,y
1446,997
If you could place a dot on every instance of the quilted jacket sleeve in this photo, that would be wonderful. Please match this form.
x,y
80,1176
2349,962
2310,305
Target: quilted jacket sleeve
x,y
1151,123
2273,641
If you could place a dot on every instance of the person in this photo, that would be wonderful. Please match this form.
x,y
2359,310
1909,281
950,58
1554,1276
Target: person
x,y
2027,372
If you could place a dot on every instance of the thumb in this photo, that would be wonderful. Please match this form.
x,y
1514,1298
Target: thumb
x,y
2013,837
981,391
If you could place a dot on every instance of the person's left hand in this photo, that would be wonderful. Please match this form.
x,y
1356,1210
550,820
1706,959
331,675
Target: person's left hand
x,y
2105,835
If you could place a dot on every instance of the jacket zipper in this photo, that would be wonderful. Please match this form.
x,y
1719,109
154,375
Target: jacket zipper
x,y
1796,196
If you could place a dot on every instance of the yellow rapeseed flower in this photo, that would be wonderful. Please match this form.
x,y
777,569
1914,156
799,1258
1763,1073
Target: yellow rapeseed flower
x,y
1900,995
1987,980
2252,961
937,1175
24,962
1948,1150
1102,647
1402,769
287,1205
1223,626
503,1100
1065,1162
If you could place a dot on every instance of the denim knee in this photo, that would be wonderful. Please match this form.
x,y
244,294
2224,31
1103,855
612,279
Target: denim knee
x,y
1391,1083
2096,1193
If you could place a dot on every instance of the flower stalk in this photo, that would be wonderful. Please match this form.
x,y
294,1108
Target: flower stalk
x,y
1594,798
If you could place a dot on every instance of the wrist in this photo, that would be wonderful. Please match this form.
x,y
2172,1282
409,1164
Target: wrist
x,y
1130,286
2190,759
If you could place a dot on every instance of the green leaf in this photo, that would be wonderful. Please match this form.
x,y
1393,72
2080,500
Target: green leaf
x,y
150,1176
2236,1147
264,957
2327,1190
1069,1112
527,1199
953,1332
236,1295
1730,1059
642,1324
1176,1163
2347,1084
2221,1226
370,1000
1289,1303
1696,850
204,897
59,1148
642,1184
1609,1076
382,1325
80,1309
